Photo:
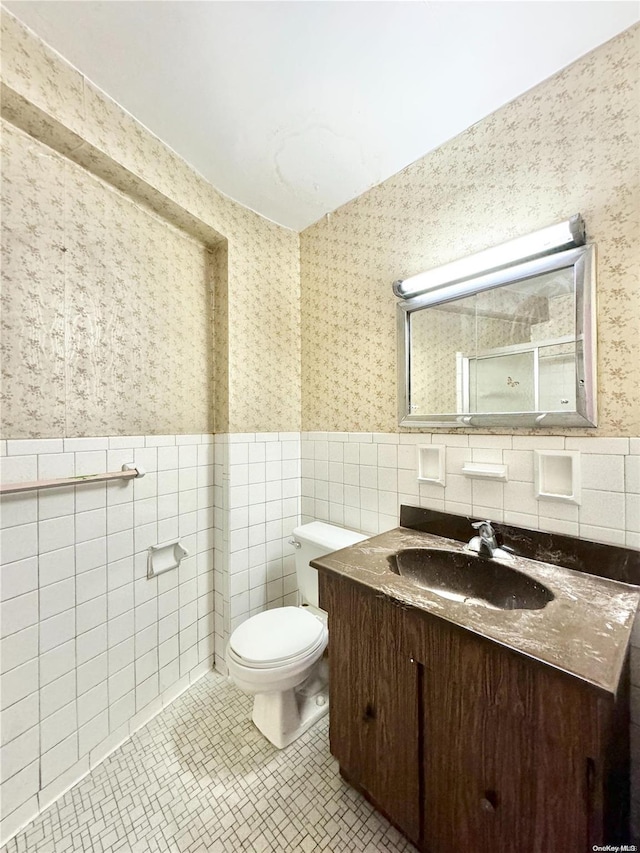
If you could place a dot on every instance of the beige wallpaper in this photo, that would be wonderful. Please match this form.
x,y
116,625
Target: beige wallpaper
x,y
257,358
106,308
570,145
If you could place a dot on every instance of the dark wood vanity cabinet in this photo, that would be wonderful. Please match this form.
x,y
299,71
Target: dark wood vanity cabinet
x,y
463,744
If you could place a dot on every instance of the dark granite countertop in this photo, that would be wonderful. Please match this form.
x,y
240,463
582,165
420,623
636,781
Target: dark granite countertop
x,y
584,631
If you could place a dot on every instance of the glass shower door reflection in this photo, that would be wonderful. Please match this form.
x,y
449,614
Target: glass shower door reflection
x,y
503,383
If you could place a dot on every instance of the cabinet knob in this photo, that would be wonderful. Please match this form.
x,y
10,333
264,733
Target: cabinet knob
x,y
369,713
489,803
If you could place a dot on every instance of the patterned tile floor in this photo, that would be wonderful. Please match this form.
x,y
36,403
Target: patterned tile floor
x,y
200,778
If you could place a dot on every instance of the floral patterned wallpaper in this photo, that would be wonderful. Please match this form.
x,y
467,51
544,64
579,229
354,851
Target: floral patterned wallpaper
x,y
106,308
257,352
569,145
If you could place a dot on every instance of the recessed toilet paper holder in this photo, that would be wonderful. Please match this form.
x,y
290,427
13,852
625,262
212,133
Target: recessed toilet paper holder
x,y
164,557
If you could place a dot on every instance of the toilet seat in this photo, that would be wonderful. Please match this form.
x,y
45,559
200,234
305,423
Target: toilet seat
x,y
278,665
277,637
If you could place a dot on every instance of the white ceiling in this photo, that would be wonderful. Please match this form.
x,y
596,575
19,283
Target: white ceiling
x,y
294,108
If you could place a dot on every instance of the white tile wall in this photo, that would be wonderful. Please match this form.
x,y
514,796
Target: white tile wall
x,y
91,649
359,480
257,498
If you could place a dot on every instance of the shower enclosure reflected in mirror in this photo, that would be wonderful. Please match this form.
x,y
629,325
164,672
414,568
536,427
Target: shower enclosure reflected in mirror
x,y
516,348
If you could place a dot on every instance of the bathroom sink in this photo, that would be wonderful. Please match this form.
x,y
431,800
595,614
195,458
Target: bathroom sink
x,y
468,579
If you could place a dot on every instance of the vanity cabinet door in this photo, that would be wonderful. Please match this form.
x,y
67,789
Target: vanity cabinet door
x,y
491,785
506,752
373,724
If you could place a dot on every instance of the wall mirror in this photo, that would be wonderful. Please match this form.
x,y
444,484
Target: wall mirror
x,y
513,347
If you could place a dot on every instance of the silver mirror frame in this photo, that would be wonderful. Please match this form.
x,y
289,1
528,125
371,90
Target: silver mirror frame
x,y
583,261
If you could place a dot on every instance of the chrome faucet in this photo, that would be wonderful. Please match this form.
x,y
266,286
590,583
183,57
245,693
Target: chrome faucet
x,y
485,542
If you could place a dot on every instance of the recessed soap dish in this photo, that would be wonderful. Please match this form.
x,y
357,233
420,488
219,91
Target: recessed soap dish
x,y
485,471
557,475
431,463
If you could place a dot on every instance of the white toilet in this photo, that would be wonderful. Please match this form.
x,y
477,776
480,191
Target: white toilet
x,y
277,654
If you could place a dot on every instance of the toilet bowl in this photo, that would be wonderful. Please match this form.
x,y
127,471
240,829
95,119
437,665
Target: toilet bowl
x,y
277,655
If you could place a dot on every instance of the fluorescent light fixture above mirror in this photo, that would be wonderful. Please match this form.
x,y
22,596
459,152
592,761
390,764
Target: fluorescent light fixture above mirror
x,y
547,241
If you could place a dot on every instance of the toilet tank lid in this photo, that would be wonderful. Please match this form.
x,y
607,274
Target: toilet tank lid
x,y
327,535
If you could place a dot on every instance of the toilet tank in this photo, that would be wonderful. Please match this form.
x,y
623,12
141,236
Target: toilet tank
x,y
314,540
